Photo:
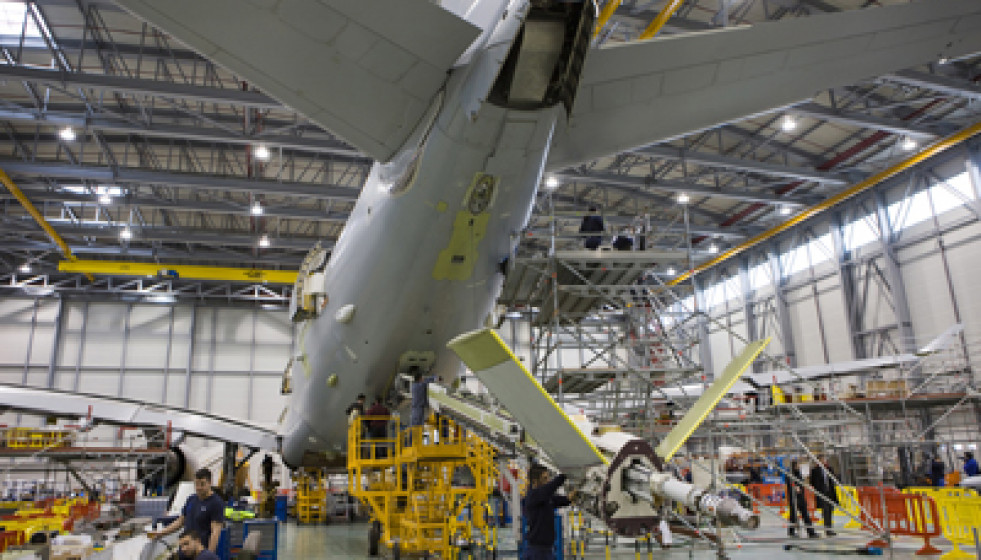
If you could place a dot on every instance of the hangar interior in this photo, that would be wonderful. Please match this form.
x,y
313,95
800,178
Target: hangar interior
x,y
139,158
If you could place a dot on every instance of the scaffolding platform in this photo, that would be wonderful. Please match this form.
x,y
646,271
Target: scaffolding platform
x,y
881,403
585,279
587,380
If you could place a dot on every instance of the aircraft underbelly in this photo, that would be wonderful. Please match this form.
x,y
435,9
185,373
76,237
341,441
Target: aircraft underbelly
x,y
427,263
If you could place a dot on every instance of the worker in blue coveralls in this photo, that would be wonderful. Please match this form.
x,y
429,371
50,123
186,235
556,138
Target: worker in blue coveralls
x,y
538,508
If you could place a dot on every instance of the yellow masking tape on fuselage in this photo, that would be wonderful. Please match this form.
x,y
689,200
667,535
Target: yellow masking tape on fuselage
x,y
457,260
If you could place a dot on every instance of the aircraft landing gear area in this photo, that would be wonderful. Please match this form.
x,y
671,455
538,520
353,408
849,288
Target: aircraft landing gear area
x,y
426,487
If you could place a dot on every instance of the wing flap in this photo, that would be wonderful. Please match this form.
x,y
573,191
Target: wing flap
x,y
513,386
636,94
366,70
711,397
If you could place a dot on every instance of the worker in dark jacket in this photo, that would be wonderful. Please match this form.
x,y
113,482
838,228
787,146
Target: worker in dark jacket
x,y
797,502
378,425
592,223
538,508
825,492
937,470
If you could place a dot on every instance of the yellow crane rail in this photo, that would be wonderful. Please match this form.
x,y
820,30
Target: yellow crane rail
x,y
185,271
928,152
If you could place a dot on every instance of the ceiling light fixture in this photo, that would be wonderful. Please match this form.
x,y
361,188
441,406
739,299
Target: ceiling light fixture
x,y
551,182
261,153
257,208
25,268
264,241
789,124
909,144
785,210
126,233
713,249
67,134
105,199
683,198
671,271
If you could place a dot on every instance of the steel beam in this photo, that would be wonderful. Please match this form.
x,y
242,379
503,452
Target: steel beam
x,y
751,166
782,307
638,185
897,286
291,260
311,144
846,283
59,328
122,175
137,86
935,82
860,120
179,235
191,205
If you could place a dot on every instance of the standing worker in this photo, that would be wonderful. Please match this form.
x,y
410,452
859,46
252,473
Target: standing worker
x,y
356,406
592,223
203,513
538,509
797,502
970,465
937,470
378,425
825,493
420,397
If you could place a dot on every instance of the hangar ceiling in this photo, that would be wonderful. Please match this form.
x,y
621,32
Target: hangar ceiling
x,y
134,148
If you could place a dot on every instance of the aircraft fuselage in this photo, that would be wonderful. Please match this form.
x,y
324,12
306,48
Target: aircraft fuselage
x,y
420,259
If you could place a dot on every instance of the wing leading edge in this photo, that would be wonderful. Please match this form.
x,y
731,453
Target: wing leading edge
x,y
367,70
636,94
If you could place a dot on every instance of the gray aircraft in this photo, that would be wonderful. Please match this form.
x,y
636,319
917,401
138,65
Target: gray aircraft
x,y
465,104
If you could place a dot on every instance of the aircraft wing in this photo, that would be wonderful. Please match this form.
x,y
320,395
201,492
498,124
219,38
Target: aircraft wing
x,y
636,94
512,385
130,412
367,70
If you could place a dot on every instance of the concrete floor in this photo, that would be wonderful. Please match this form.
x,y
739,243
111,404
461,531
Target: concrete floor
x,y
343,541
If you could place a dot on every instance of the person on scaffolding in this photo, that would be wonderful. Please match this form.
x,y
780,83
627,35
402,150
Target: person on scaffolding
x,y
538,509
378,426
797,502
420,396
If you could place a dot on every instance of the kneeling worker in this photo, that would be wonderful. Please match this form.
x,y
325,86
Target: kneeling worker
x,y
538,508
203,513
191,547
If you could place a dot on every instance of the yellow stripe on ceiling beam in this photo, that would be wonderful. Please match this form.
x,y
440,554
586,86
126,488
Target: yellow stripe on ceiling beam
x,y
189,272
33,211
661,19
926,153
605,15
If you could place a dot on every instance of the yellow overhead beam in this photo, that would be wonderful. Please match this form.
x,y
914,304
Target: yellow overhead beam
x,y
661,19
926,153
605,14
190,272
22,198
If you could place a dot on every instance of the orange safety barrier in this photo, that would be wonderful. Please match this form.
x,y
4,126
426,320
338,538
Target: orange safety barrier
x,y
773,495
10,538
903,514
